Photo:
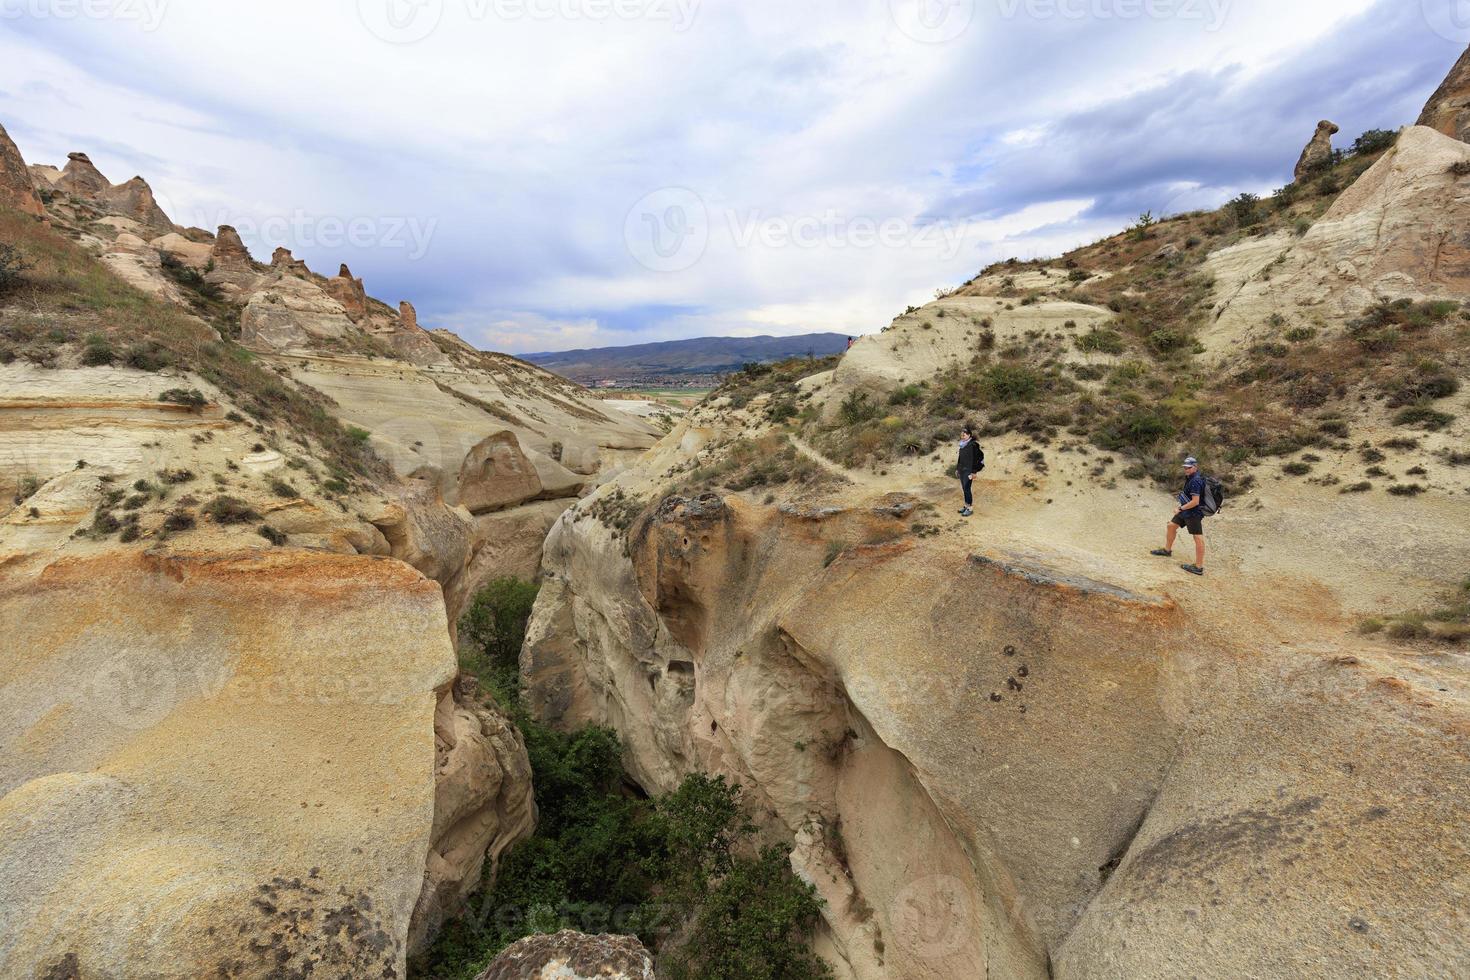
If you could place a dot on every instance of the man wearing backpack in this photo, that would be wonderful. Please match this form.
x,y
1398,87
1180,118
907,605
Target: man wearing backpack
x,y
1191,513
971,462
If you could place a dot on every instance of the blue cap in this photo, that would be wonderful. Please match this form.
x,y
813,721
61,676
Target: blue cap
x,y
1190,461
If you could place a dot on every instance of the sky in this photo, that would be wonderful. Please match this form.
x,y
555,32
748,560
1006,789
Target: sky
x,y
549,174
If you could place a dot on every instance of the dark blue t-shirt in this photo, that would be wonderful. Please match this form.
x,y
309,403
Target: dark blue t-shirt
x,y
1194,487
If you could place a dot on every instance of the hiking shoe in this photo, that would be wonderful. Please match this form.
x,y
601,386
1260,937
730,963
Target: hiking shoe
x,y
1193,569
967,512
1161,552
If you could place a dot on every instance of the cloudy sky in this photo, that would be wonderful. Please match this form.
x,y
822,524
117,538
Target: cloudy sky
x,y
547,174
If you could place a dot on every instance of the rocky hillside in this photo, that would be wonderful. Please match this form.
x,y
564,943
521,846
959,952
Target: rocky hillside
x,y
1019,745
243,506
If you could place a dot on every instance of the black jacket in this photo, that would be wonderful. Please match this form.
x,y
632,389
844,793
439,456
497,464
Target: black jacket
x,y
972,458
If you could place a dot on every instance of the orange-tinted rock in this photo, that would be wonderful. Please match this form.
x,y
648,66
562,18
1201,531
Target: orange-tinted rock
x,y
81,178
349,292
283,261
17,190
1318,152
135,200
1448,109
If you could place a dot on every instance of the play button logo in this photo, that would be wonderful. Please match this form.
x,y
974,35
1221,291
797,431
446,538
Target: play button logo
x,y
400,21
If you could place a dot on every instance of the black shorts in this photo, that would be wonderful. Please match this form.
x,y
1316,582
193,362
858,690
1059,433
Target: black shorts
x,y
1191,519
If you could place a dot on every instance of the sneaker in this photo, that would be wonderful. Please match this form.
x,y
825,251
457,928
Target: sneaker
x,y
967,512
1161,552
1193,569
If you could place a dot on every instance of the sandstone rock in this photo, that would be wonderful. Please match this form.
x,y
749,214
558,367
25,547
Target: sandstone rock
x,y
571,955
44,175
1448,109
482,805
283,262
496,475
81,178
17,189
1318,152
195,255
229,251
289,313
428,535
138,263
234,271
203,791
134,199
1397,232
349,292
408,317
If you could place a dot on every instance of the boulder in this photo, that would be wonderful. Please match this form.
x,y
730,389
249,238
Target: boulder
x,y
1318,152
17,189
1448,109
496,474
196,255
349,292
571,955
81,178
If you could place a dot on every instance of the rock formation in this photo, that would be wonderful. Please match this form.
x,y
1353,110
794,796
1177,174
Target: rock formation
x,y
289,313
569,955
349,292
408,317
134,199
496,475
1318,152
284,262
17,189
81,178
1448,109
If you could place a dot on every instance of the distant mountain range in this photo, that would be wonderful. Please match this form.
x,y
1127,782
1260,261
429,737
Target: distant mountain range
x,y
675,360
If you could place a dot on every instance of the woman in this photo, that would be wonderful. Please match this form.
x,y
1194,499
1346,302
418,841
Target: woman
x,y
972,461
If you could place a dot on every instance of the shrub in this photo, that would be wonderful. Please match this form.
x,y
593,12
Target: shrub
x,y
98,351
1406,489
1101,341
272,535
147,356
1297,469
225,509
1362,487
1424,417
281,488
1136,429
493,628
175,477
13,267
179,520
358,435
1374,141
1297,335
1245,209
857,408
190,398
1460,168
1009,383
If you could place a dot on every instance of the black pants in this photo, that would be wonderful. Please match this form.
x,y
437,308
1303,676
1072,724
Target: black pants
x,y
969,490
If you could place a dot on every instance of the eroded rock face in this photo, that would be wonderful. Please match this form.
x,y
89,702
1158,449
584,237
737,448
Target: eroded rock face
x,y
17,189
134,199
1398,232
995,760
81,178
197,790
349,292
284,262
1318,152
497,475
571,955
1448,109
290,313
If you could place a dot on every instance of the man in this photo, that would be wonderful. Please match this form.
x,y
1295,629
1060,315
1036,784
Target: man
x,y
1190,514
972,461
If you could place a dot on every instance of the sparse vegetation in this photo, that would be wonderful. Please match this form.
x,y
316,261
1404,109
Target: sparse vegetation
x,y
1448,622
225,509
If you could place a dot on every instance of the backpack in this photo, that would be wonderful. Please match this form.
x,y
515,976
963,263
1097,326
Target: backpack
x,y
1214,499
979,458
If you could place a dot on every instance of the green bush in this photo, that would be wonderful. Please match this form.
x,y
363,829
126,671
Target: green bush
x,y
1101,342
492,630
13,267
1424,417
190,397
230,510
1375,141
98,351
1010,383
857,408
